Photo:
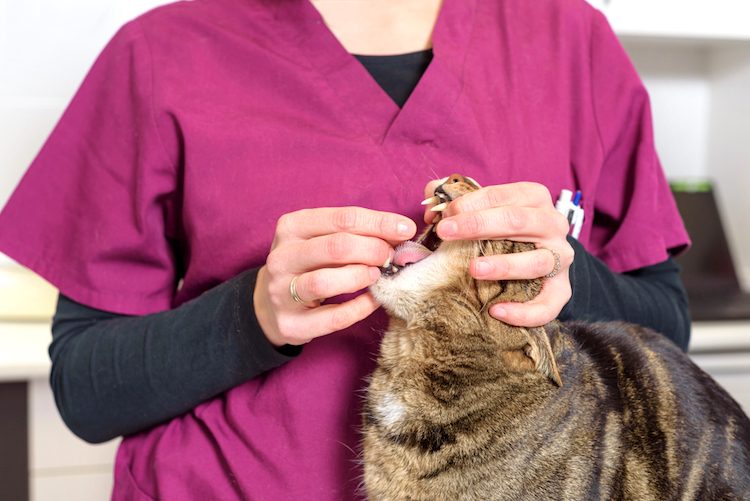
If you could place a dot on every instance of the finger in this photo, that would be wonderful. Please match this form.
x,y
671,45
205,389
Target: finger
x,y
310,223
330,250
324,283
539,311
519,194
518,266
335,317
431,217
526,224
297,297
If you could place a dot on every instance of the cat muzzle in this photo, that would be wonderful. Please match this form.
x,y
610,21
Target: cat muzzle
x,y
413,251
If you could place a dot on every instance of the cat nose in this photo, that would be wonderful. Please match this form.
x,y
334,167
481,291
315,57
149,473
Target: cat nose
x,y
444,195
440,192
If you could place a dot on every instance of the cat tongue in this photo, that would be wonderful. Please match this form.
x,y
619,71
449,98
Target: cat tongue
x,y
410,252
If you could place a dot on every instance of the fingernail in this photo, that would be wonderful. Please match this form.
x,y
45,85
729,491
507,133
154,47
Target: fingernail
x,y
499,312
448,228
403,229
482,267
374,273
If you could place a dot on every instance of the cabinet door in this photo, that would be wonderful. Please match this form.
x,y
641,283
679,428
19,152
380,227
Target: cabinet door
x,y
689,19
61,466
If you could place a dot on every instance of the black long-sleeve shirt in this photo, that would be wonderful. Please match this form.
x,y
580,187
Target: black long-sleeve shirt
x,y
116,375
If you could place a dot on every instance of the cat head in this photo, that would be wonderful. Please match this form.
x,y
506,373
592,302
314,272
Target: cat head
x,y
434,294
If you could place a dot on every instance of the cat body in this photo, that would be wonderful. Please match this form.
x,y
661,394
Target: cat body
x,y
464,407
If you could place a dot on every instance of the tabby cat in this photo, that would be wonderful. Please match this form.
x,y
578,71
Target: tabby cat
x,y
465,407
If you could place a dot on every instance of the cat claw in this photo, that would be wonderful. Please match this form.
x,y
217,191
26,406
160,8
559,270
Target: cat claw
x,y
440,208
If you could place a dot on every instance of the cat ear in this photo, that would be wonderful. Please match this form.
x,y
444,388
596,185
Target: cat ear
x,y
540,351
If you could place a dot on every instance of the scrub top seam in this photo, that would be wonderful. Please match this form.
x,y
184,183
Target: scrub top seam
x,y
593,12
437,131
152,96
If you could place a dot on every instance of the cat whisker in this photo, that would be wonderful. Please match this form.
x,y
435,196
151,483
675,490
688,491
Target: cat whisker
x,y
348,447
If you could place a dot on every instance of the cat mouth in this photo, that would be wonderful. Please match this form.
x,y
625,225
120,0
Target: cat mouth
x,y
413,251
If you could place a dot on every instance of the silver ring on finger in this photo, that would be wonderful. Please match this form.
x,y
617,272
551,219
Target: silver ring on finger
x,y
556,268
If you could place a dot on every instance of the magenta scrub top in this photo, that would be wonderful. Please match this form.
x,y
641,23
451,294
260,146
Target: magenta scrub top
x,y
202,122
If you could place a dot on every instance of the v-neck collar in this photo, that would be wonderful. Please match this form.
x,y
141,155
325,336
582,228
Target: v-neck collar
x,y
432,99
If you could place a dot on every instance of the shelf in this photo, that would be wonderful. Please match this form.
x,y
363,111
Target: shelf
x,y
720,337
24,296
23,351
23,346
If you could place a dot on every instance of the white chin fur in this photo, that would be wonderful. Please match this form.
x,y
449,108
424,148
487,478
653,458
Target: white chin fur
x,y
403,293
390,410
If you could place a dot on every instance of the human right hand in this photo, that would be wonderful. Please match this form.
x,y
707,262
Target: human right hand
x,y
330,251
523,212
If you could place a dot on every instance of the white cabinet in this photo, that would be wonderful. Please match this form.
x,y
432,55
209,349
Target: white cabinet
x,y
723,350
61,466
60,462
689,19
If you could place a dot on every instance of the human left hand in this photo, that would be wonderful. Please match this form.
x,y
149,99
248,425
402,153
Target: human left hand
x,y
522,212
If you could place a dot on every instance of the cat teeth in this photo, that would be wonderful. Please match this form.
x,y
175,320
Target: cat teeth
x,y
436,199
431,200
391,269
440,208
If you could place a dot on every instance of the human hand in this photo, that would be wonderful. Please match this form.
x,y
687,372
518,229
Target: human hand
x,y
327,252
522,212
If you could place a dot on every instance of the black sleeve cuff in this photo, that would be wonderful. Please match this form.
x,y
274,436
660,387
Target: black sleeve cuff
x,y
261,354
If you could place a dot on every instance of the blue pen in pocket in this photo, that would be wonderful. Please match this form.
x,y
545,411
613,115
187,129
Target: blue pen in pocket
x,y
569,205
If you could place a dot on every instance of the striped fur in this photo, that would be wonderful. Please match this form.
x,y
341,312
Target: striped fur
x,y
464,407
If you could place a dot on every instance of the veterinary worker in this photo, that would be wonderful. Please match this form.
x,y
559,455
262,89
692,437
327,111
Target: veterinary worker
x,y
231,173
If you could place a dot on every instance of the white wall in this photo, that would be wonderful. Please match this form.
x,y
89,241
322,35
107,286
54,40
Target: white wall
x,y
677,81
46,47
729,146
700,94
